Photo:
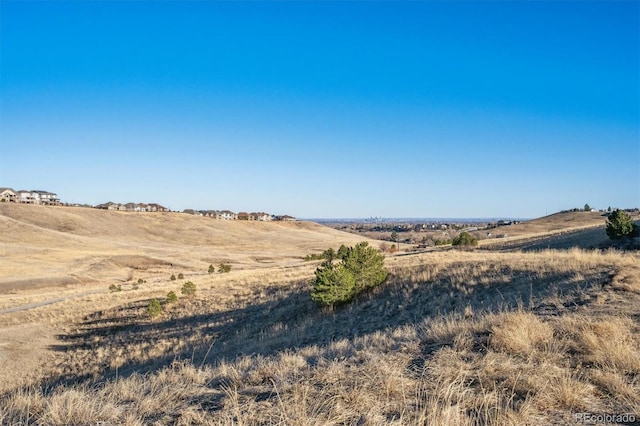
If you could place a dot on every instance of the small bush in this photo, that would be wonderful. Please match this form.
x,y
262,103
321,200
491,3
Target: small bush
x,y
172,297
188,289
114,288
173,277
361,267
135,286
212,269
314,256
329,255
141,281
180,276
465,239
224,267
154,308
620,225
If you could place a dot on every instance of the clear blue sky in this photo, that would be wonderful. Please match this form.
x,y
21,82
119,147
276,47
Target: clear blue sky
x,y
324,109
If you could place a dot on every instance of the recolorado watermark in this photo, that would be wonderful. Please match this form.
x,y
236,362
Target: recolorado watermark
x,y
605,418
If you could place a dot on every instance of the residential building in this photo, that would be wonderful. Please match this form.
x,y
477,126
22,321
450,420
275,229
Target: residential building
x,y
27,197
47,198
261,216
154,207
8,195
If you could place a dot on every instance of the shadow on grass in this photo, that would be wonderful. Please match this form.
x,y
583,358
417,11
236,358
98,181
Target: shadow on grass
x,y
290,320
585,238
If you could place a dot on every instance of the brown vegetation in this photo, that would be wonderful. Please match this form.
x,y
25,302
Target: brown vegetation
x,y
451,338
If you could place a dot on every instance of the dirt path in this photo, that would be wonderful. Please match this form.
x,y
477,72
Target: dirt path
x,y
47,302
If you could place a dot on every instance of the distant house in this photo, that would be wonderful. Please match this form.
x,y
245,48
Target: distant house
x,y
285,218
107,206
132,207
47,198
243,216
27,197
264,217
154,207
228,215
8,195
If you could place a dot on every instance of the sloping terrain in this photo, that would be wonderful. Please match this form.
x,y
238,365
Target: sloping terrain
x,y
562,221
42,246
587,238
557,222
453,337
560,230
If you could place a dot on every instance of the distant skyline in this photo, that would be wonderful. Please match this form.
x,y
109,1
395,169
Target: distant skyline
x,y
324,109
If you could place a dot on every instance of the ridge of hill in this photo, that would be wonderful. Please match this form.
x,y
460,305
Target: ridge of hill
x,y
558,222
558,230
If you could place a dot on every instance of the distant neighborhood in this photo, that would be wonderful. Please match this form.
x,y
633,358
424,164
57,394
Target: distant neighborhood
x,y
29,197
8,195
132,207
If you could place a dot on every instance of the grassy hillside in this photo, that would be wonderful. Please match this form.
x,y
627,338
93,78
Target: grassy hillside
x,y
42,246
453,337
560,230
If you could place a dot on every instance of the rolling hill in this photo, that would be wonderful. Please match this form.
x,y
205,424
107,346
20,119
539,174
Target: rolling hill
x,y
452,337
43,246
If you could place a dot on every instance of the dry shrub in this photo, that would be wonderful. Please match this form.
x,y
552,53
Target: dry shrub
x,y
571,393
616,384
521,333
78,406
607,342
627,279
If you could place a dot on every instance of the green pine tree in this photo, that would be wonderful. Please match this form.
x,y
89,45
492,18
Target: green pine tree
x,y
334,285
360,268
621,225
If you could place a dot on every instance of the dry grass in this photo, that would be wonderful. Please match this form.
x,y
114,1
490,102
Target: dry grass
x,y
44,246
559,231
466,338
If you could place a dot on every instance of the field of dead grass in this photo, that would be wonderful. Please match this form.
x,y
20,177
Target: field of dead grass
x,y
559,230
453,337
42,246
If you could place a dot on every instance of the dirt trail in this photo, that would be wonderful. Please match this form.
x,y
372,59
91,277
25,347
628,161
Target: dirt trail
x,y
47,302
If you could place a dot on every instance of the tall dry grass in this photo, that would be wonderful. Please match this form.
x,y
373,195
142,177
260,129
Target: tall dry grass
x,y
452,338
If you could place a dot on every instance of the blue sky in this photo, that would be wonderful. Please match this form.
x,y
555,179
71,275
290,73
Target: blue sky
x,y
324,109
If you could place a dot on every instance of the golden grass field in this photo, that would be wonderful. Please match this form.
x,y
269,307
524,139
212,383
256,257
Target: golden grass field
x,y
453,337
